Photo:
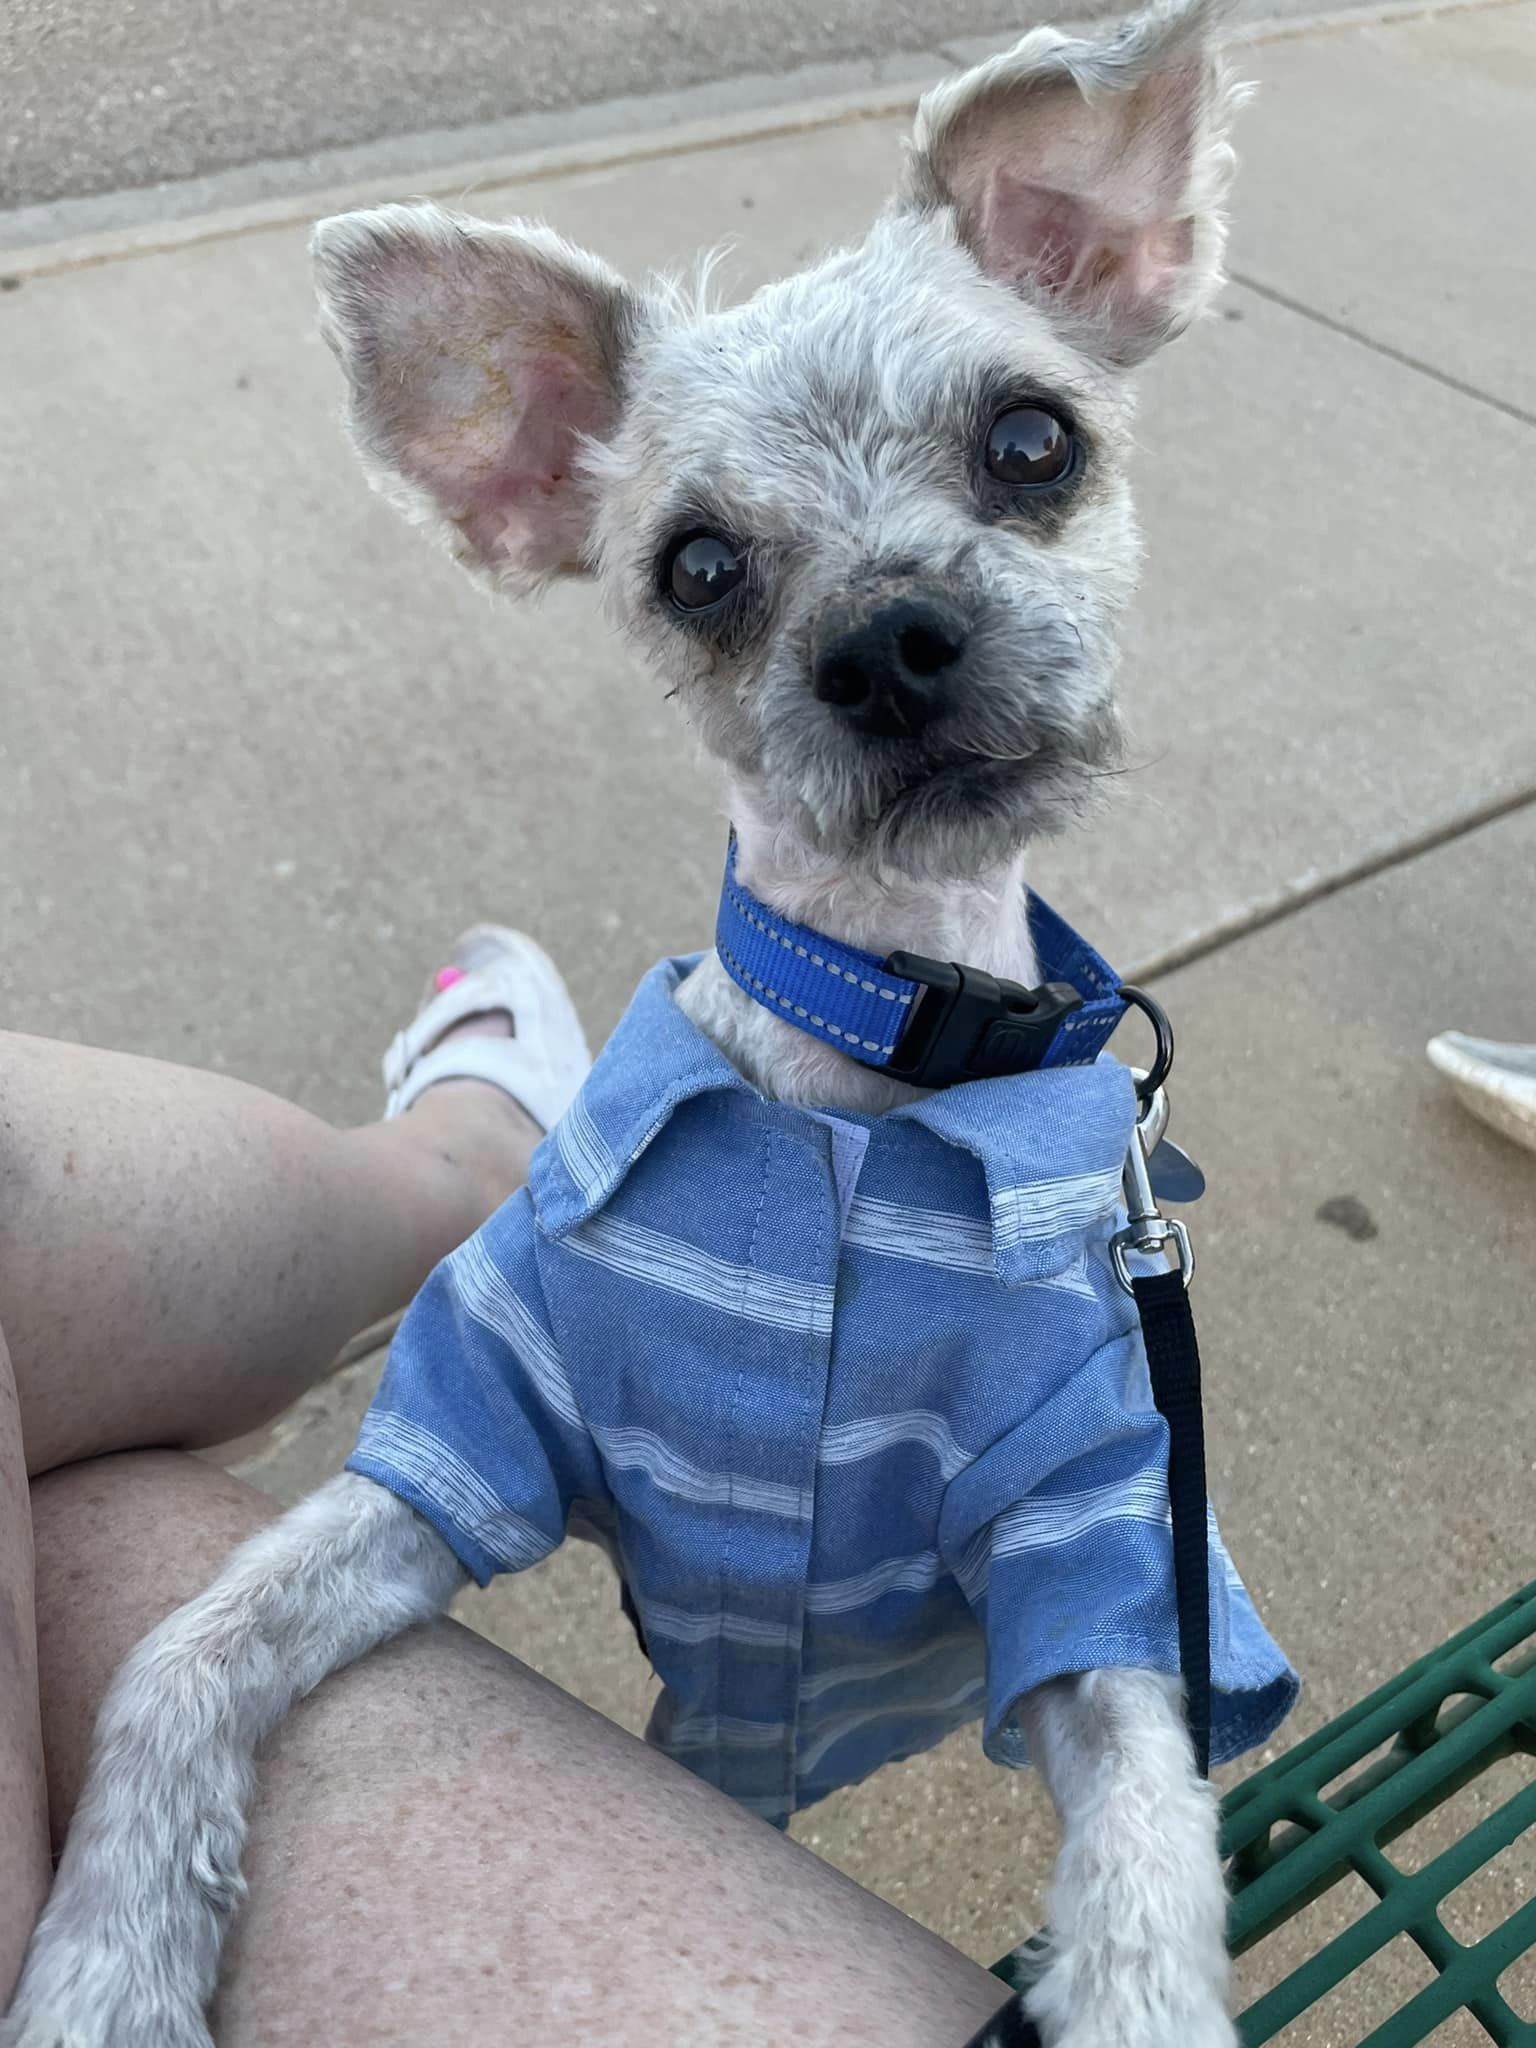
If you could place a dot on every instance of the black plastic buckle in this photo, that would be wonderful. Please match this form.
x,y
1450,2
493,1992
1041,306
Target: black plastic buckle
x,y
969,1026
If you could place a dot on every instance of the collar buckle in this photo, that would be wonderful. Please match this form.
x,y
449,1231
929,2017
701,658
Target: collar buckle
x,y
969,1026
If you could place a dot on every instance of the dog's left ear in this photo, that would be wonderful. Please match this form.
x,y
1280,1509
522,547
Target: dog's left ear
x,y
480,359
1089,174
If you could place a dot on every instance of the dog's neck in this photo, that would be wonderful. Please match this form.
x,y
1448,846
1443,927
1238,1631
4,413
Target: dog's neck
x,y
982,921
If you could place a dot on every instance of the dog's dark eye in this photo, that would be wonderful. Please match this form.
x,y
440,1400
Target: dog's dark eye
x,y
1028,446
701,569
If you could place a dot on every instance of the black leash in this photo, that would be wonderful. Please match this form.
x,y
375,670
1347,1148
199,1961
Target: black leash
x,y
1173,1360
1173,1366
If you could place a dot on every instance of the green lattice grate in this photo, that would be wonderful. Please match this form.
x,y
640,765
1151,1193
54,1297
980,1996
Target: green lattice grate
x,y
1330,1807
1290,1843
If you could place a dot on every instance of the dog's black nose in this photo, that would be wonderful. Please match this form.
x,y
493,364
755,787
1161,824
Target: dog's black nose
x,y
886,666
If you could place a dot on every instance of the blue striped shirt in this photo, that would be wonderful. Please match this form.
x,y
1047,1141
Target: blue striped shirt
x,y
855,1403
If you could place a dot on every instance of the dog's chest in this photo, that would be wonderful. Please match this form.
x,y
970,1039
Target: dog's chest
x,y
809,1311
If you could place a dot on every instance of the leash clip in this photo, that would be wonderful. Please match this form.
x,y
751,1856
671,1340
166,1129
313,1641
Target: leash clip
x,y
1147,1229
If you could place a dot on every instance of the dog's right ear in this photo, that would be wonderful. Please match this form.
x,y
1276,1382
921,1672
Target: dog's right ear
x,y
1089,174
478,359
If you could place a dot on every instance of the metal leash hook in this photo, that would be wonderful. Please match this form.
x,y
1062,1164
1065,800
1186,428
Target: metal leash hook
x,y
1147,1229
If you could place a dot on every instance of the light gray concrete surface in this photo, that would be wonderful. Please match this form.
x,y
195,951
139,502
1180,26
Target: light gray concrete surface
x,y
1428,249
260,754
99,95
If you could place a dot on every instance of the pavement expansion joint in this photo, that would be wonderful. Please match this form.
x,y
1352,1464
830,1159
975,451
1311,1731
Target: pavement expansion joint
x,y
1247,282
1292,901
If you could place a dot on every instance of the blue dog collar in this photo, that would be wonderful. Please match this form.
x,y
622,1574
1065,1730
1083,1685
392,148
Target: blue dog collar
x,y
929,1022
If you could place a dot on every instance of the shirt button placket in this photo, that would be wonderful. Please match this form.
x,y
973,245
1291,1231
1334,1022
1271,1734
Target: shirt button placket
x,y
786,1371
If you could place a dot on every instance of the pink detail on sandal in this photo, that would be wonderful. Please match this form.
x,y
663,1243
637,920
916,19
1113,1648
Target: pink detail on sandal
x,y
445,977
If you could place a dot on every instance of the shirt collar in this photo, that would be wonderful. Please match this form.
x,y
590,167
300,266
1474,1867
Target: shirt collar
x,y
1051,1143
656,1060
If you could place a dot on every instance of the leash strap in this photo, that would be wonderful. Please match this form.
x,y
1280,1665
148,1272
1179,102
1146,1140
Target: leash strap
x,y
1173,1361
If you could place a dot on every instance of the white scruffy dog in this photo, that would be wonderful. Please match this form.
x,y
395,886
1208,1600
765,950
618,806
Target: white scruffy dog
x,y
875,527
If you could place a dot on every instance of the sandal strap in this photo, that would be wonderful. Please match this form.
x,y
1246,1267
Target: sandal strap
x,y
500,1061
541,1066
470,995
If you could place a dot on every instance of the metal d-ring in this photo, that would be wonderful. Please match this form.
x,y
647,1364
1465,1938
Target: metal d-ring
x,y
1162,1059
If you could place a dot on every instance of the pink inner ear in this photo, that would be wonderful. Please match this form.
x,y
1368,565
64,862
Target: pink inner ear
x,y
1067,246
497,422
1063,244
525,506
1082,197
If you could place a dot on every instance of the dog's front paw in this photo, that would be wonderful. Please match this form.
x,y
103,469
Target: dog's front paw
x,y
91,1994
1104,2000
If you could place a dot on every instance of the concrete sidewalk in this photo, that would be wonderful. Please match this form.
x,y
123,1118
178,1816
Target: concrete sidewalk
x,y
261,752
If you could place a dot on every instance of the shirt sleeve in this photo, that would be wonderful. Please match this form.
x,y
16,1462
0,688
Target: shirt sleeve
x,y
476,1422
1059,1536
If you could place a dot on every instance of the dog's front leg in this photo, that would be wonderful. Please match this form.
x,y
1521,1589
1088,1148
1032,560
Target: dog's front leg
x,y
1138,1955
126,1954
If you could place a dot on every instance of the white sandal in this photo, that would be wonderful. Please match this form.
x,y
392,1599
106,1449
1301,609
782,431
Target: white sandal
x,y
1496,1082
493,969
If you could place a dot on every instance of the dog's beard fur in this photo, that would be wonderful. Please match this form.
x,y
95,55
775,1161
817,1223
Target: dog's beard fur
x,y
1020,757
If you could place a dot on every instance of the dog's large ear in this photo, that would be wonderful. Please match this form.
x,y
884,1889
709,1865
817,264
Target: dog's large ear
x,y
477,359
1090,174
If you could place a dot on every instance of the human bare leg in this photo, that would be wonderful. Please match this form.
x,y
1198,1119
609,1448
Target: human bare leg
x,y
446,1848
182,1255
